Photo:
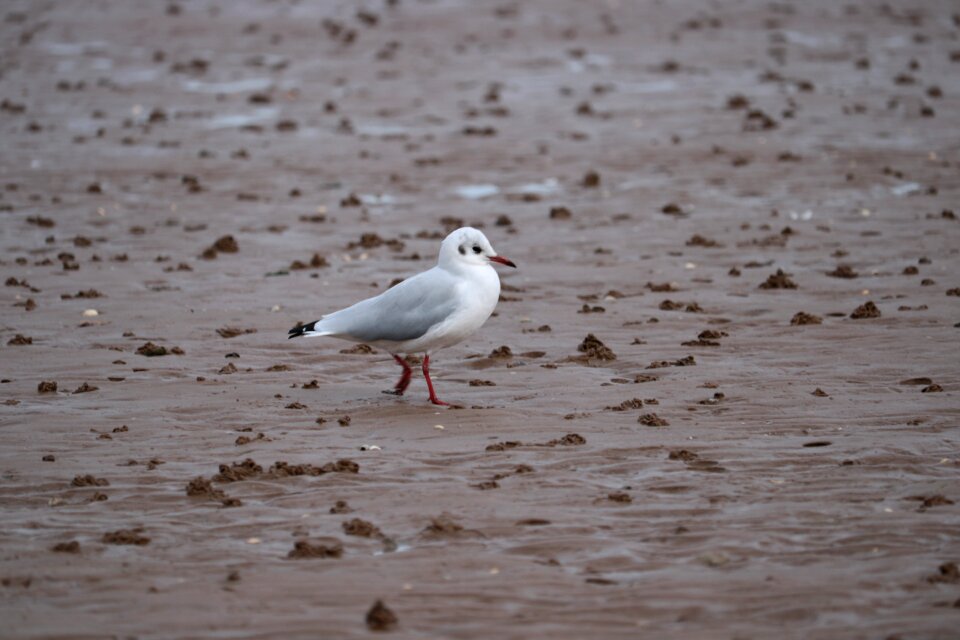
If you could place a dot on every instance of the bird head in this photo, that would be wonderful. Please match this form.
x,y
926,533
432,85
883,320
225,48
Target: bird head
x,y
469,247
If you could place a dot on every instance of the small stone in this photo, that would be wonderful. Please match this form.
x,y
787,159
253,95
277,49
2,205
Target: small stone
x,y
126,536
778,280
303,549
226,244
866,310
843,271
652,420
152,350
340,506
802,318
501,352
593,347
380,618
591,179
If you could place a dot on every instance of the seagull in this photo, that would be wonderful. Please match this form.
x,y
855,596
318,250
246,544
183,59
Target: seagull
x,y
429,311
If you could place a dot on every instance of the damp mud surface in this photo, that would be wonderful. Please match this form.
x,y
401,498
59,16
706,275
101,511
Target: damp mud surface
x,y
718,399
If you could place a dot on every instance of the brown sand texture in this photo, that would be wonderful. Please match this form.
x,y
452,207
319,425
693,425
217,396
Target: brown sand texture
x,y
727,407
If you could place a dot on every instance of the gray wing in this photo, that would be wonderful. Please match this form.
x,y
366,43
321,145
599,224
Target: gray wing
x,y
404,312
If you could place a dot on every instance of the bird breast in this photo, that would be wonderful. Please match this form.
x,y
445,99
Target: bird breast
x,y
478,298
486,292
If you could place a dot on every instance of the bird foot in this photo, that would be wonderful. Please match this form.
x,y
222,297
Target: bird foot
x,y
392,392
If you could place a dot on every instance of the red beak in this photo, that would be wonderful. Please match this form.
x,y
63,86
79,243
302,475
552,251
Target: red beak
x,y
502,260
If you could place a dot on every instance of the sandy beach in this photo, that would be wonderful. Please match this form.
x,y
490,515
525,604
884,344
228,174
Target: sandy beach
x,y
728,403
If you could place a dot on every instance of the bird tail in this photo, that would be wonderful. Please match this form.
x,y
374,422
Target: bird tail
x,y
307,330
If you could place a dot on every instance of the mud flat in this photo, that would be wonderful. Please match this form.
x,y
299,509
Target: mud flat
x,y
727,402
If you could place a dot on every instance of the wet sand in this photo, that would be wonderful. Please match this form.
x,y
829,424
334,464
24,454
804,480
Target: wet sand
x,y
752,210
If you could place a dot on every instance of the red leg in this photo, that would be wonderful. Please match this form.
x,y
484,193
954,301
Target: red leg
x,y
404,380
426,374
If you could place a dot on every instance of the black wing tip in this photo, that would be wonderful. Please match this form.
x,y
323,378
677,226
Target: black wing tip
x,y
300,330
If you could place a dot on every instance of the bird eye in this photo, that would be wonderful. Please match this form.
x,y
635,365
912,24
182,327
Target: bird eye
x,y
463,251
477,249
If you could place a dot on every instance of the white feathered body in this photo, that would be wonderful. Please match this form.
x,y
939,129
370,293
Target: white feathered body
x,y
429,311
